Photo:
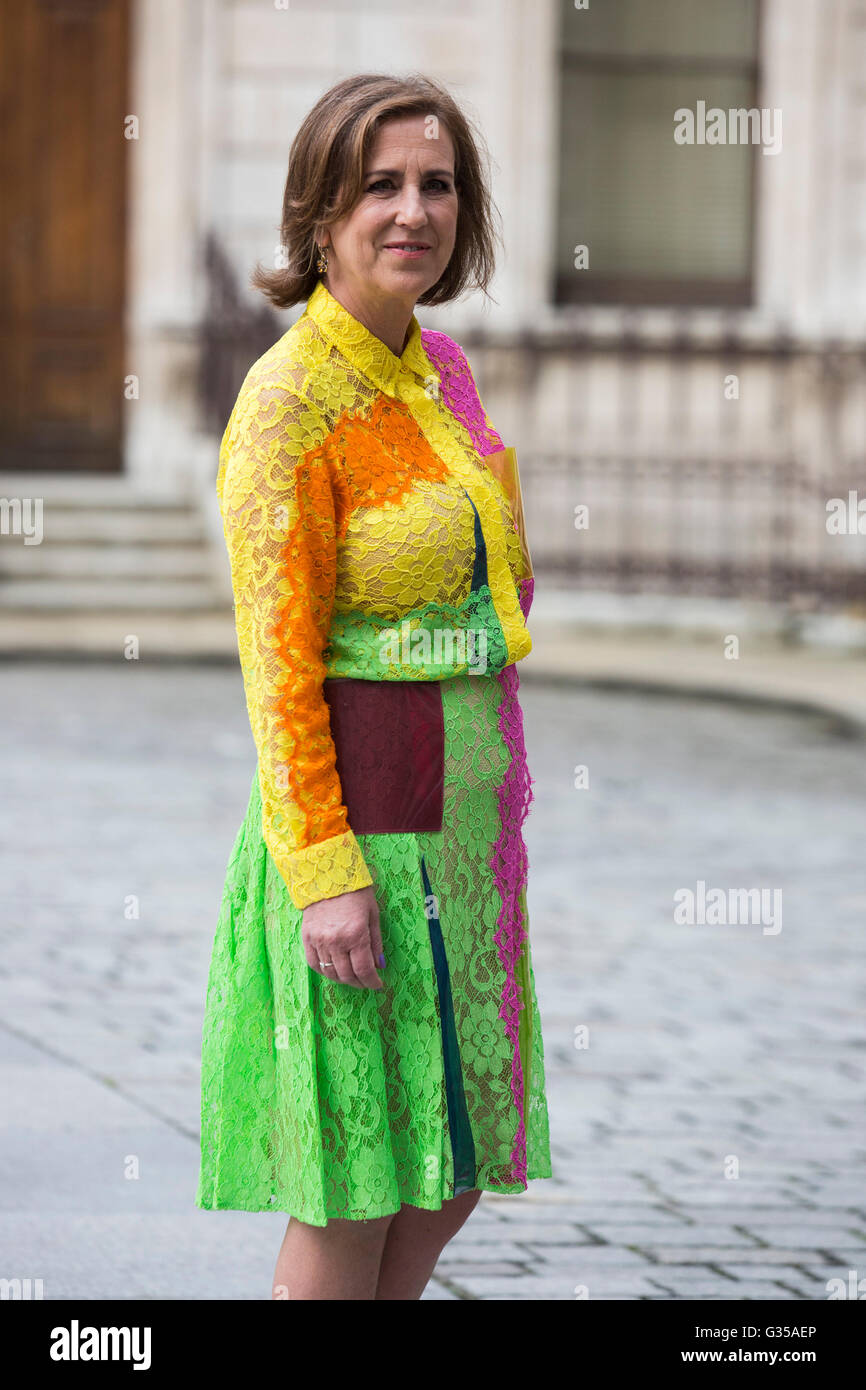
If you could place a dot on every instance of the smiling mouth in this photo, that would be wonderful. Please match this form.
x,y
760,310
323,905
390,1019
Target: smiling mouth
x,y
407,246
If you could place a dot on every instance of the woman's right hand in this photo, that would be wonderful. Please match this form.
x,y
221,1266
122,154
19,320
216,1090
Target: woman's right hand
x,y
345,932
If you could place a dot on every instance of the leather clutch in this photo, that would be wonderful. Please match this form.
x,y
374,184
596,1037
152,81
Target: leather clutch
x,y
390,742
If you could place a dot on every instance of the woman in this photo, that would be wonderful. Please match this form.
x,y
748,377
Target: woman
x,y
372,1057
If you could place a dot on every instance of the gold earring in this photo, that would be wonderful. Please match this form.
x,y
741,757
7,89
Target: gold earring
x,y
321,260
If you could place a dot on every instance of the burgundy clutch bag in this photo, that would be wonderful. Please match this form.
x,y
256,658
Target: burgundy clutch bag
x,y
390,742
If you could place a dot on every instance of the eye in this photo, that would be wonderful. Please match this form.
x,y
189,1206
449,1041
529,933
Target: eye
x,y
444,186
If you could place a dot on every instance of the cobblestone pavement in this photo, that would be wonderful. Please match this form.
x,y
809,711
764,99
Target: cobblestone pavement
x,y
708,1143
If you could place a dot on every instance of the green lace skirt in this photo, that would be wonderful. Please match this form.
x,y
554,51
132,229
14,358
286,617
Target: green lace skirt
x,y
323,1100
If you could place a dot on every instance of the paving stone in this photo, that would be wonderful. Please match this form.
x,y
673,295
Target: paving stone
x,y
731,1256
825,1236
703,1289
847,1254
437,1292
547,1233
615,1215
587,1256
788,1274
823,1274
704,1042
563,1290
461,1270
669,1235
476,1251
771,1221
544,1216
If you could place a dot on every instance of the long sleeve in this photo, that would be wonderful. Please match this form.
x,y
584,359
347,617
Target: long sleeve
x,y
280,501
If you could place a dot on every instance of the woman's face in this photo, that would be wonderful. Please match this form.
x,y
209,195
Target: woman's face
x,y
408,196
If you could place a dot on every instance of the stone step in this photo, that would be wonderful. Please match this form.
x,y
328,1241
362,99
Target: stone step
x,y
108,594
109,559
116,526
75,561
84,490
107,526
183,636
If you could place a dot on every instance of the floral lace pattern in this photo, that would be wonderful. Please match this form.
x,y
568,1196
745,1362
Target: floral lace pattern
x,y
322,1100
368,539
459,390
339,501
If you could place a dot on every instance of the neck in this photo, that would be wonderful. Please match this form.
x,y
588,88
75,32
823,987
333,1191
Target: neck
x,y
387,317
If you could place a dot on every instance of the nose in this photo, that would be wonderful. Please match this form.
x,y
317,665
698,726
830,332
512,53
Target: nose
x,y
411,206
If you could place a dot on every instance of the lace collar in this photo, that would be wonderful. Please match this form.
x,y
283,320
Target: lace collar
x,y
362,348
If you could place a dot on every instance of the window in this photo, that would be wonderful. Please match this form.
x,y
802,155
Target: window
x,y
663,223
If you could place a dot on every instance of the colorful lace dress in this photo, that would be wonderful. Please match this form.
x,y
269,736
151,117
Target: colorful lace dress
x,y
382,581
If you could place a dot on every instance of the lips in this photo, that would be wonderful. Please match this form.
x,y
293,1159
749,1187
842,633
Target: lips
x,y
407,246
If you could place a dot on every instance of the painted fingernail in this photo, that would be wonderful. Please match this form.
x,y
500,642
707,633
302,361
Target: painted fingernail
x,y
382,962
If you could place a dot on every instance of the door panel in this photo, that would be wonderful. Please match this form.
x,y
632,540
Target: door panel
x,y
63,95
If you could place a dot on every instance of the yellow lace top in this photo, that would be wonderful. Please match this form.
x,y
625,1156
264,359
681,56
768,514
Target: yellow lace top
x,y
375,529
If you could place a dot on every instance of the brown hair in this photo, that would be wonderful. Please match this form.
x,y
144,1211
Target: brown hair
x,y
326,173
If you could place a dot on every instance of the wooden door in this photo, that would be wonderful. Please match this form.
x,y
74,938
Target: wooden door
x,y
63,155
